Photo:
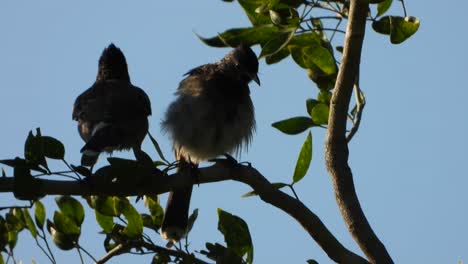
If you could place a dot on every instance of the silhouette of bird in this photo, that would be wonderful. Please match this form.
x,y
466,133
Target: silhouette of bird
x,y
211,115
112,114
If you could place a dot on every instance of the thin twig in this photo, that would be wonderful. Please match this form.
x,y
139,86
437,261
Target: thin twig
x,y
293,191
79,254
87,253
336,28
324,29
70,167
45,252
47,244
117,250
360,103
404,7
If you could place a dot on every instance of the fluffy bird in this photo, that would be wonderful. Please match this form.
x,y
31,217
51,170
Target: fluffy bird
x,y
212,115
112,114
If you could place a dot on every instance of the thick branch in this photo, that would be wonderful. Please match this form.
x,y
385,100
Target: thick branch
x,y
218,172
336,147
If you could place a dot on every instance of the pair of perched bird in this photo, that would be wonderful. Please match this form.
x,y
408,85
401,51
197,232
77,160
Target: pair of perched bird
x,y
211,115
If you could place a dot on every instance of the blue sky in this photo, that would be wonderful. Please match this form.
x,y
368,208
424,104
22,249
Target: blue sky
x,y
408,157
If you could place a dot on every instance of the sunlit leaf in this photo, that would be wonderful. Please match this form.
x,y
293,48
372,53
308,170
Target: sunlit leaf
x,y
320,114
71,208
310,104
134,226
399,28
105,222
248,36
383,6
61,240
295,125
236,234
156,211
29,223
278,42
250,7
303,161
66,224
321,57
324,97
403,28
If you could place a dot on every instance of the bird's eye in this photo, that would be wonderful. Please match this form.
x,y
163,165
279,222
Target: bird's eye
x,y
237,66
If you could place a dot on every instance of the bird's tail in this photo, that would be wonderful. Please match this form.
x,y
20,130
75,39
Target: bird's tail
x,y
105,136
174,226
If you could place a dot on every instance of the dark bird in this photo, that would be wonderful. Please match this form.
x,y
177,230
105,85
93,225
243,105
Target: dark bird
x,y
211,116
112,114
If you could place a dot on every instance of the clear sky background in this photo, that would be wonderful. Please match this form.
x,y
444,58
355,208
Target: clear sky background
x,y
408,158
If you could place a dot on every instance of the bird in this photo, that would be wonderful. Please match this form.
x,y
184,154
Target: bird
x,y
112,114
212,115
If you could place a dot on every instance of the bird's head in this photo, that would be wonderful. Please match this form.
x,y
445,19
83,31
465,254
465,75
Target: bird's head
x,y
246,63
112,65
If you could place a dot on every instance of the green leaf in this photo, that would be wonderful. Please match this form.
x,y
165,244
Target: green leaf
x,y
278,42
134,226
276,18
66,224
12,238
1,259
277,185
236,234
320,114
53,148
303,161
249,36
250,7
17,219
39,214
156,146
71,208
277,57
3,234
324,97
403,28
306,39
221,254
106,205
310,104
61,240
294,125
105,222
382,25
191,220
156,211
320,57
399,28
34,149
382,7
29,223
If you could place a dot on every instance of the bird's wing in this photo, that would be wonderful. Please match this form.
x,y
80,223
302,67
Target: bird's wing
x,y
110,101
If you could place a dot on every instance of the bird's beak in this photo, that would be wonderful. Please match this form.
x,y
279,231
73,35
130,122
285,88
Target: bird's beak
x,y
256,79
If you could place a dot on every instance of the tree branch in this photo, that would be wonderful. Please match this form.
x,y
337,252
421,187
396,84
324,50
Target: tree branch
x,y
336,147
218,172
